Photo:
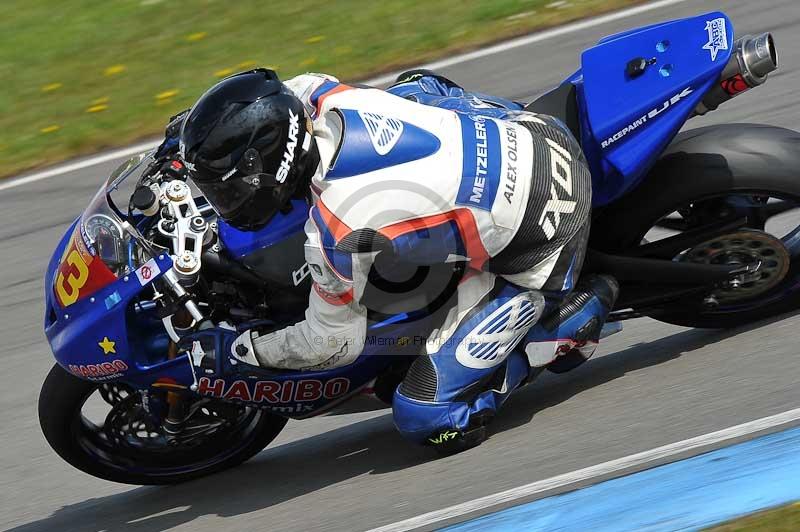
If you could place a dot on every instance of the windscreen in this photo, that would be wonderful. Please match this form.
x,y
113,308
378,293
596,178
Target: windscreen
x,y
100,250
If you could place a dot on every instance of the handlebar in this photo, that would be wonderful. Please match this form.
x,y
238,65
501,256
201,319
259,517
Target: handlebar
x,y
177,218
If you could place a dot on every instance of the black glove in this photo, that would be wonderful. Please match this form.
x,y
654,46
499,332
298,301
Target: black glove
x,y
170,145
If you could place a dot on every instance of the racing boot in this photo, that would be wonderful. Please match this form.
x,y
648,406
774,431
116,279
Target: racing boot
x,y
568,336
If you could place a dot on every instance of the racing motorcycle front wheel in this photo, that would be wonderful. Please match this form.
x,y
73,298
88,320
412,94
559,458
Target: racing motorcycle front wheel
x,y
106,430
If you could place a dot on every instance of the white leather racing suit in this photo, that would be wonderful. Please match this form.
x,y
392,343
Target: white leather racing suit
x,y
431,185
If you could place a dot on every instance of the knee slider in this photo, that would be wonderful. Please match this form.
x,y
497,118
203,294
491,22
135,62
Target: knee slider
x,y
417,420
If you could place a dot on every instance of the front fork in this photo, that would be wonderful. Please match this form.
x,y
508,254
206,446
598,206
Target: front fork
x,y
173,423
176,401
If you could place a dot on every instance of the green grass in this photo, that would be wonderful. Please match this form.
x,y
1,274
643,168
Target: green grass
x,y
785,519
61,58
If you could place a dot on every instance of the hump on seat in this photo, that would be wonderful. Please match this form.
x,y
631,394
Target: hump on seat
x,y
561,103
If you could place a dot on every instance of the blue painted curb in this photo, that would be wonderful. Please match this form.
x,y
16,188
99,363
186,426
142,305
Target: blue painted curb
x,y
686,495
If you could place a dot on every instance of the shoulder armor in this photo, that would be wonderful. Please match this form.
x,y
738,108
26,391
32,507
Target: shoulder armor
x,y
372,141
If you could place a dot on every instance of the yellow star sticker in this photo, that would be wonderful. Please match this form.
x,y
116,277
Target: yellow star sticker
x,y
107,346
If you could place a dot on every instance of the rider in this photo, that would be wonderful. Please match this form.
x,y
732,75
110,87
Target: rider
x,y
430,174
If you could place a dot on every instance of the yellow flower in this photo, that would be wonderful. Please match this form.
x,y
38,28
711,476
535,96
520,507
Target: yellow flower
x,y
244,65
308,62
223,73
166,95
50,87
97,108
315,39
113,70
50,129
194,37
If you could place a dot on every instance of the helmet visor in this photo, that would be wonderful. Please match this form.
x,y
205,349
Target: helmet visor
x,y
226,197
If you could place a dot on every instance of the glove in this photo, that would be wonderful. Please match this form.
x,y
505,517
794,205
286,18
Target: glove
x,y
243,351
172,133
205,347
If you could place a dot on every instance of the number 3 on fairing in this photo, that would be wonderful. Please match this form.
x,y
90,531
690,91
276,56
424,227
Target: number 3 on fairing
x,y
73,280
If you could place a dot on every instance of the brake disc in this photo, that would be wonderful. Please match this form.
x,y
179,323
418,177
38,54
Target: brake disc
x,y
746,247
129,424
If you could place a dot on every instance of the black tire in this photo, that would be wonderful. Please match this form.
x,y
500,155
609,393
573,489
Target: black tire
x,y
60,402
704,163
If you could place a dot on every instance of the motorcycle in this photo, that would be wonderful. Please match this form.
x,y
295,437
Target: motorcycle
x,y
678,219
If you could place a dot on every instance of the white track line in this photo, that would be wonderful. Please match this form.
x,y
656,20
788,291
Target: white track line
x,y
595,471
78,165
387,78
532,38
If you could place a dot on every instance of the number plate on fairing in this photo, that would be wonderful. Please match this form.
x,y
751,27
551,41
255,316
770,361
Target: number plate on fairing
x,y
80,272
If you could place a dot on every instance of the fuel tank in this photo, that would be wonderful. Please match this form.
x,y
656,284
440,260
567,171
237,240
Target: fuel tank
x,y
275,252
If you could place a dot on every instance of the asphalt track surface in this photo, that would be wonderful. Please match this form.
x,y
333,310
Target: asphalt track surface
x,y
651,385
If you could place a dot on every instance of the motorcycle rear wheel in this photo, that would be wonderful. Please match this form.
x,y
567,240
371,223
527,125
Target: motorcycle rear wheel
x,y
105,454
701,166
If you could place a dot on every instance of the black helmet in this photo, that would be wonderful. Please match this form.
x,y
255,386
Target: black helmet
x,y
247,147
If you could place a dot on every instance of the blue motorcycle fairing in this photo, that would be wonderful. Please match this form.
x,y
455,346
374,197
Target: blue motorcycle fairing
x,y
76,332
627,123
